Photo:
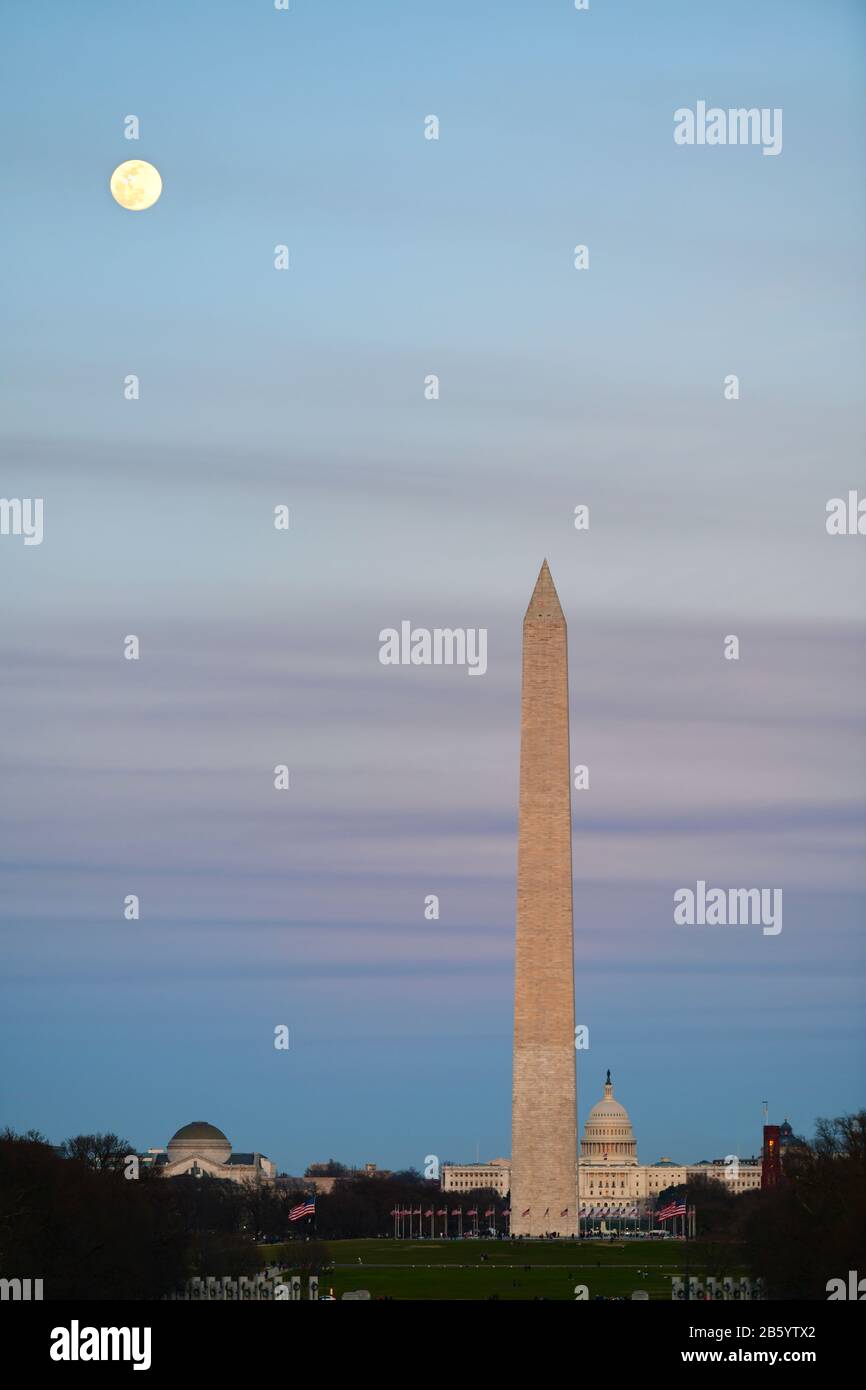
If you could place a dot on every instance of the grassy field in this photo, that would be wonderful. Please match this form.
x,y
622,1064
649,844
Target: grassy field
x,y
479,1269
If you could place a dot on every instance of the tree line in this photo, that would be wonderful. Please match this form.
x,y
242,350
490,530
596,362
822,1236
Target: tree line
x,y
70,1217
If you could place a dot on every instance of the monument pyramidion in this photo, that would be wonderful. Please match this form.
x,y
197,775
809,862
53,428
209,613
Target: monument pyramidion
x,y
544,1111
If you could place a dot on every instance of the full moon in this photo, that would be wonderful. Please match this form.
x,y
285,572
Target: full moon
x,y
136,185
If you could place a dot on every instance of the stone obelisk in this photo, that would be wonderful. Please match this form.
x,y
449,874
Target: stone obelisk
x,y
544,1112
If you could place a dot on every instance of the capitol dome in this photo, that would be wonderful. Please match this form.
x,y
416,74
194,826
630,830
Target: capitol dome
x,y
608,1136
201,1139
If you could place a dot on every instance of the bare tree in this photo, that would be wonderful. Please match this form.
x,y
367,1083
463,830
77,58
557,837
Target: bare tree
x,y
104,1153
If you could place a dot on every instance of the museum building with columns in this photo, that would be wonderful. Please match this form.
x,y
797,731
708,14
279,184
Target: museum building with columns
x,y
200,1150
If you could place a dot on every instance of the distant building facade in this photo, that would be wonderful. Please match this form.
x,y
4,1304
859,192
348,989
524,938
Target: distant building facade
x,y
318,1179
463,1177
200,1150
609,1173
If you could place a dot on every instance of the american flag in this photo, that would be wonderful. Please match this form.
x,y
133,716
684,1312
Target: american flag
x,y
564,1211
472,1212
443,1211
672,1209
528,1210
491,1211
306,1208
429,1213
456,1211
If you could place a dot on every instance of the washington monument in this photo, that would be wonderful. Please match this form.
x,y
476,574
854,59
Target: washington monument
x,y
543,1111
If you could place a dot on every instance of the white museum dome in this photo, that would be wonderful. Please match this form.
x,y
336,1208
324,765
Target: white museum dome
x,y
199,1139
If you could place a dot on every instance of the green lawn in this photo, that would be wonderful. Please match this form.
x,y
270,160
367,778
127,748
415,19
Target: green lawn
x,y
412,1269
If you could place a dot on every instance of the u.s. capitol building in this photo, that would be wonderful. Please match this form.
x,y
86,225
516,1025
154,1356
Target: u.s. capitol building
x,y
609,1173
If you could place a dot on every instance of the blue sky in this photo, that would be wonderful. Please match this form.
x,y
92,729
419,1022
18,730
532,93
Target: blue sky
x,y
557,388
